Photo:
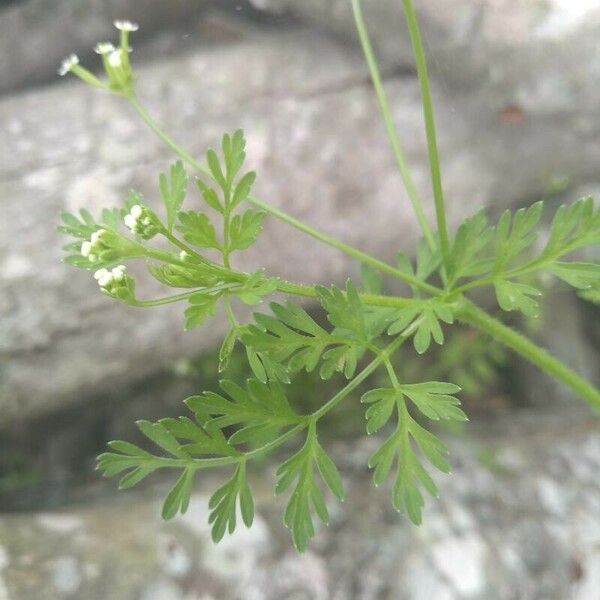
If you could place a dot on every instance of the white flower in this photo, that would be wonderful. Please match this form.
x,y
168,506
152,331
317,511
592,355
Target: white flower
x,y
118,273
90,248
68,64
106,278
104,48
132,220
86,249
126,26
95,238
101,273
183,256
114,59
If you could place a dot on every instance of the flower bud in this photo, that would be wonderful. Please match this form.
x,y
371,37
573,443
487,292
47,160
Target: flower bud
x,y
142,221
107,246
116,283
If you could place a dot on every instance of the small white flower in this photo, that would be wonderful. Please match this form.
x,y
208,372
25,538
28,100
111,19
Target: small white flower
x,y
118,273
104,48
104,277
95,238
131,222
68,64
183,255
114,59
100,273
86,248
126,26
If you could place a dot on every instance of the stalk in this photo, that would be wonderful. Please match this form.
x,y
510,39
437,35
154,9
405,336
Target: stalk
x,y
434,160
392,133
540,357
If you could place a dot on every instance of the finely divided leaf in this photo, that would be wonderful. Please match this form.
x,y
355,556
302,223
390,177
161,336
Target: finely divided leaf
x,y
172,189
422,318
435,400
515,234
307,496
244,229
467,254
257,411
517,296
197,229
223,504
345,311
411,476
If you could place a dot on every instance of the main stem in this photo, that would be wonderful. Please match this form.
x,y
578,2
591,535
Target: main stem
x,y
386,113
434,160
472,314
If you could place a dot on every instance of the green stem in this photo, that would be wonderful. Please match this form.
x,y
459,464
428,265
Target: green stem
x,y
355,253
309,291
470,313
434,160
161,301
392,133
222,287
372,366
391,373
350,250
183,154
205,463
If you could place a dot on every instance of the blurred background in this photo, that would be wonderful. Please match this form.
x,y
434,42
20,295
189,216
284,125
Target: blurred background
x,y
517,93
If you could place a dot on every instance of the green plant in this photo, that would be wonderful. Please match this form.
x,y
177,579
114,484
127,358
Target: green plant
x,y
246,421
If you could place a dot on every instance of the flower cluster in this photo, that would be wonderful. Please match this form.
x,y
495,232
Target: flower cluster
x,y
92,248
114,59
142,221
116,282
106,246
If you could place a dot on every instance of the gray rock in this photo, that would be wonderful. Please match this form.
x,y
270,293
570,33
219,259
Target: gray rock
x,y
316,139
521,525
36,35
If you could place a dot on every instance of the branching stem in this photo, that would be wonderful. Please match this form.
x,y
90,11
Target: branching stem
x,y
388,120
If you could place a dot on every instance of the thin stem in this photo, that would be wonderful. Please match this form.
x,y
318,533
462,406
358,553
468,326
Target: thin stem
x,y
187,249
355,253
392,133
309,291
540,357
215,289
229,312
434,160
183,154
372,366
391,373
161,301
350,250
205,463
388,120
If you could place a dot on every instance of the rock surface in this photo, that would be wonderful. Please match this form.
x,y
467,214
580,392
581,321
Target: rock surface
x,y
36,35
519,518
315,138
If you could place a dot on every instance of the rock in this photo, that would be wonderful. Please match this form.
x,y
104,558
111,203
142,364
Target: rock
x,y
499,531
316,139
35,36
